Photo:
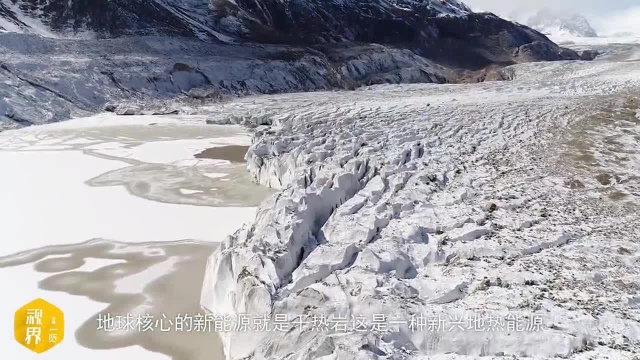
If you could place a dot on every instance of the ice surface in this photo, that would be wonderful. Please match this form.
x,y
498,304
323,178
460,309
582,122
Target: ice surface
x,y
36,178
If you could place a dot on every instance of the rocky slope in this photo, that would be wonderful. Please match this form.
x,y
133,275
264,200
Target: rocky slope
x,y
44,79
444,31
108,18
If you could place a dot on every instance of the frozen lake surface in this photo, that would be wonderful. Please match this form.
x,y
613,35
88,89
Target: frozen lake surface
x,y
97,214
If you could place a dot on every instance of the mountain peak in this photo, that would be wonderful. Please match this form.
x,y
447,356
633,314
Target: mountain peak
x,y
561,22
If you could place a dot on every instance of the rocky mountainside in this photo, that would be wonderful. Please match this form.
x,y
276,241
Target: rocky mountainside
x,y
443,30
561,23
44,80
108,18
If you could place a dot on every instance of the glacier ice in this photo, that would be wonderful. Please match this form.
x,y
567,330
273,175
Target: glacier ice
x,y
439,200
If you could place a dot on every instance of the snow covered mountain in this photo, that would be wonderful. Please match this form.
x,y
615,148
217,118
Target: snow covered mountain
x,y
558,23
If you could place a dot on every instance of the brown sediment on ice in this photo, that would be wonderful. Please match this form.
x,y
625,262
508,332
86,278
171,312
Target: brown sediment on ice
x,y
174,293
603,147
233,153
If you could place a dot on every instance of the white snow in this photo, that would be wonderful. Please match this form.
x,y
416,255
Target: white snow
x,y
214,175
190,191
563,38
33,25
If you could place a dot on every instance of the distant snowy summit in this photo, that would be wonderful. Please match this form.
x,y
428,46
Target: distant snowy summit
x,y
561,23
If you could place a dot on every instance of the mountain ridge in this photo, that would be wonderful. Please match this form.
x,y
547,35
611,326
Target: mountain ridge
x,y
445,31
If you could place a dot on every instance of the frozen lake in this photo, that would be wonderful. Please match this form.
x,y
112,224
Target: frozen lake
x,y
104,214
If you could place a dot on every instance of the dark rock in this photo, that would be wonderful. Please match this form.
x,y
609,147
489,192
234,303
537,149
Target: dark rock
x,y
491,207
467,40
373,349
210,94
115,18
225,121
623,251
588,55
181,67
575,184
479,40
543,50
604,179
166,112
110,108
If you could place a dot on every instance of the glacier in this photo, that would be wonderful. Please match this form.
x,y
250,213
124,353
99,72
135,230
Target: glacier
x,y
434,199
514,198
